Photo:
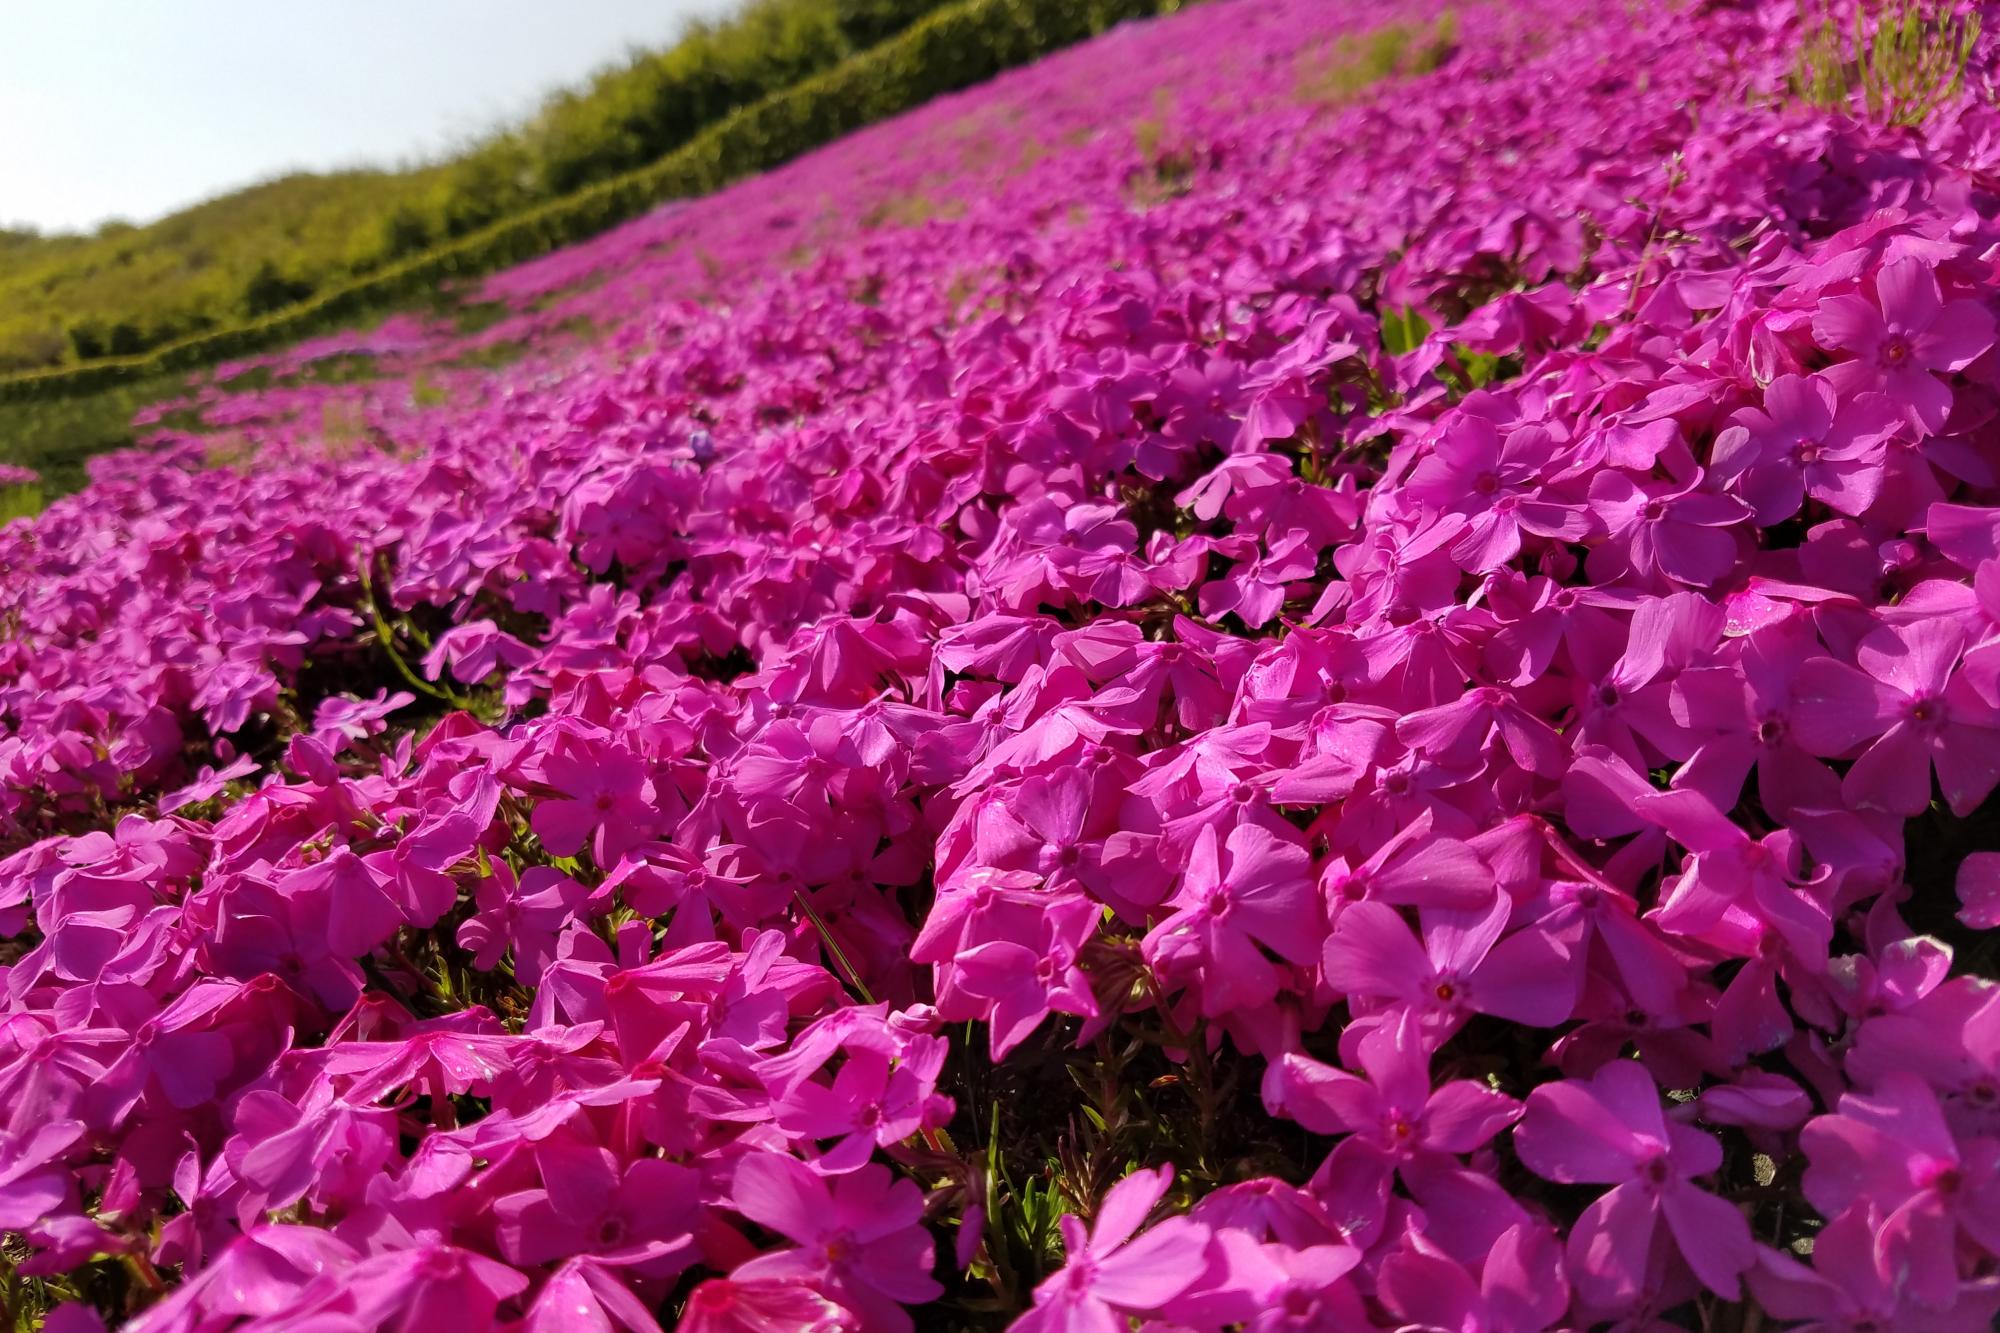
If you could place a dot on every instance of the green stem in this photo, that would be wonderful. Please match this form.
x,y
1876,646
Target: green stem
x,y
387,637
833,949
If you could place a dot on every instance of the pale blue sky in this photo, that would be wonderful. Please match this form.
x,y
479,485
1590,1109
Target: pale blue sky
x,y
133,108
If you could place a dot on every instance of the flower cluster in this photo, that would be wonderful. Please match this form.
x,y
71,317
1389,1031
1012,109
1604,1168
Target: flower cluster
x,y
1265,715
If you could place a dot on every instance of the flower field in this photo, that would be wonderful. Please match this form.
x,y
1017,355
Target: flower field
x,y
1318,666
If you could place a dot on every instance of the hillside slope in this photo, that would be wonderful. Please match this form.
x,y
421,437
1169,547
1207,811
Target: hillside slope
x,y
70,298
1180,692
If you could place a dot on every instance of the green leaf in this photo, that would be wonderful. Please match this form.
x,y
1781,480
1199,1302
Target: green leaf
x,y
1403,331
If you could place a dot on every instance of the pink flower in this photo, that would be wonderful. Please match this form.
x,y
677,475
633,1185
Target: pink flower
x,y
1890,1151
521,918
1660,528
1238,898
474,651
1519,1287
1806,443
638,1214
1460,967
860,1235
607,801
1916,709
732,1305
33,1181
1846,1291
1609,1130
583,1294
429,1286
1394,1107
1979,890
880,1097
1025,983
1901,340
1109,1276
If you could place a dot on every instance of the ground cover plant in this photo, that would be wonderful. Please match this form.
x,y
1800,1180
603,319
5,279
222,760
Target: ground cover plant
x,y
1177,693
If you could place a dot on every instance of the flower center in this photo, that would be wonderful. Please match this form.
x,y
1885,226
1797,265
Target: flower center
x,y
441,1265
1937,1174
1895,350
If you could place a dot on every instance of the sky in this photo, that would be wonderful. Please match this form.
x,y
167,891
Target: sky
x,y
134,108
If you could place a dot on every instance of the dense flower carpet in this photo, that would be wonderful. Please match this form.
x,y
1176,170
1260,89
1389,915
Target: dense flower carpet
x,y
1168,694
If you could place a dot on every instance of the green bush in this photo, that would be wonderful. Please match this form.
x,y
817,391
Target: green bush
x,y
270,289
865,22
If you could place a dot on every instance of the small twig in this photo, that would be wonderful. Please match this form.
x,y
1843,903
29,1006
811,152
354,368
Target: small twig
x,y
387,637
833,949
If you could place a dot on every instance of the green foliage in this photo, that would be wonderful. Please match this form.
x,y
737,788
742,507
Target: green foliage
x,y
1896,65
1403,331
20,502
54,436
270,289
1339,72
64,299
67,299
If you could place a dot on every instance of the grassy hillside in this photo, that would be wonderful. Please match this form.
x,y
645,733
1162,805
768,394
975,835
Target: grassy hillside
x,y
68,299
53,420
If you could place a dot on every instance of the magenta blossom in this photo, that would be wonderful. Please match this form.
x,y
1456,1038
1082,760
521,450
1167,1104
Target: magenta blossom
x,y
858,1234
1460,966
1920,713
1806,443
1899,342
1239,898
1890,1151
1110,1275
1610,1130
